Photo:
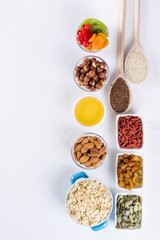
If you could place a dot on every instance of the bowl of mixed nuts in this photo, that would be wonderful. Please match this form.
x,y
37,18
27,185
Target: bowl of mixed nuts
x,y
91,73
89,151
88,202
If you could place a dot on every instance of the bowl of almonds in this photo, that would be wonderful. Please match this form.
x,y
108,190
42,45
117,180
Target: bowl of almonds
x,y
91,73
89,151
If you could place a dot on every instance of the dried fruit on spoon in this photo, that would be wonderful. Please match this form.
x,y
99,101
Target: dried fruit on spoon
x,y
92,35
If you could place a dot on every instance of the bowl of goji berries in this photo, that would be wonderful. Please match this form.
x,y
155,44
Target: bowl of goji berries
x,y
129,130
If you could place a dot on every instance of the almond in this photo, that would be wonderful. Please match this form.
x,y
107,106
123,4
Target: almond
x,y
75,156
89,145
94,159
103,156
97,144
78,147
90,138
84,159
85,140
93,150
96,164
80,139
84,150
75,145
102,150
99,140
87,164
79,154
94,154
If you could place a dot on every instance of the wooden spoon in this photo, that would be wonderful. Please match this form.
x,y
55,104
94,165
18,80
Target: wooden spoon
x,y
137,47
121,73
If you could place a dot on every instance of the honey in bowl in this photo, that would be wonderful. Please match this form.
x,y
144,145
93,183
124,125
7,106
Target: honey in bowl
x,y
89,111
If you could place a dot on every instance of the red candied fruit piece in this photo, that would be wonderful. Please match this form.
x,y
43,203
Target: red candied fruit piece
x,y
84,32
89,35
80,39
79,32
88,27
85,43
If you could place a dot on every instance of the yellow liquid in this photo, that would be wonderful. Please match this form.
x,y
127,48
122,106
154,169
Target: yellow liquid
x,y
89,111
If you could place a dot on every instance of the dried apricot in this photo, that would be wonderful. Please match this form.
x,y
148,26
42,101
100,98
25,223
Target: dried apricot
x,y
92,38
106,42
102,35
98,43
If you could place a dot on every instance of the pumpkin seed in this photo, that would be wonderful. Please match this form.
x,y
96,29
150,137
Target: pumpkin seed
x,y
131,217
121,200
131,227
137,225
139,213
127,213
128,203
123,224
119,220
140,207
125,218
135,208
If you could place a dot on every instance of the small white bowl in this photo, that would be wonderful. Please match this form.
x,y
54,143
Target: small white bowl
x,y
120,188
123,194
86,135
129,149
80,177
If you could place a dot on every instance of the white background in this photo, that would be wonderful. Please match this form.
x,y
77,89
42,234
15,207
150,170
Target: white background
x,y
37,93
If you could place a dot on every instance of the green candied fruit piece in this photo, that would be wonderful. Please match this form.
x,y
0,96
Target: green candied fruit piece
x,y
87,21
99,29
97,22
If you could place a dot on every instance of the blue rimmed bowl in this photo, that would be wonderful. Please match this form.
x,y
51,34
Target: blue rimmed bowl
x,y
80,177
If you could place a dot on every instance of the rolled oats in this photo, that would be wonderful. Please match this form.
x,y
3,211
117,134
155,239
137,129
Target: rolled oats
x,y
89,202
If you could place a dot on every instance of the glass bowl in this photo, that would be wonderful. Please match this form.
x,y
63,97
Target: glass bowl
x,y
83,48
86,135
79,62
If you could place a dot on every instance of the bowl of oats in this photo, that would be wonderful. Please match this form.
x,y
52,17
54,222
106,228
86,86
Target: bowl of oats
x,y
88,201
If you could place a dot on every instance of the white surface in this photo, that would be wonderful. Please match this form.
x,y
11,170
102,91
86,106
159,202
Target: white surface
x,y
37,92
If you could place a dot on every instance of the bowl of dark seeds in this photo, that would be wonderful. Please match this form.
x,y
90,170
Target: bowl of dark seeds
x,y
91,73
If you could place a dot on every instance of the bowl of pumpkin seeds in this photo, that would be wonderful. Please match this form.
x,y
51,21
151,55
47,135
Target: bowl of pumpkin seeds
x,y
128,211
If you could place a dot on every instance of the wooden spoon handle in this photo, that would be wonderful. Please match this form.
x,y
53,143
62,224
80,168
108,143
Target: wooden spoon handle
x,y
137,21
122,35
